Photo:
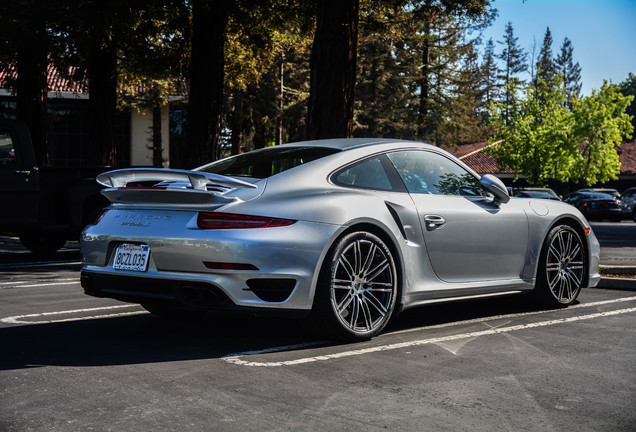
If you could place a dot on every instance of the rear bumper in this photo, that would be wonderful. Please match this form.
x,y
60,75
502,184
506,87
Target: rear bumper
x,y
269,268
174,293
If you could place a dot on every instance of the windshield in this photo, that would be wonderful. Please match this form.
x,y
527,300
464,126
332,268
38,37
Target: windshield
x,y
266,162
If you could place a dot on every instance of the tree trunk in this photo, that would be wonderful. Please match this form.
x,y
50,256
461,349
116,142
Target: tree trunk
x,y
237,123
102,104
281,103
157,148
209,19
424,127
333,70
32,87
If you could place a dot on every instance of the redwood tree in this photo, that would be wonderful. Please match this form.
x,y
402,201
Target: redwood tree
x,y
102,87
333,70
209,21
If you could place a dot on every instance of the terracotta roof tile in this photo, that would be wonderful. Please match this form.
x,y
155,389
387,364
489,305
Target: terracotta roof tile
x,y
473,156
627,157
57,81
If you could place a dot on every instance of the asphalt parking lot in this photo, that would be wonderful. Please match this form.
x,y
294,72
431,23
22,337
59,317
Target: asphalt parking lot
x,y
74,363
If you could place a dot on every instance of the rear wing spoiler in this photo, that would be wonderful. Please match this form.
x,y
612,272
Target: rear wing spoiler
x,y
198,180
204,188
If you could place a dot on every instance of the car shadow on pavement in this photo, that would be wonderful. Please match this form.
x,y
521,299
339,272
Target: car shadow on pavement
x,y
142,338
146,338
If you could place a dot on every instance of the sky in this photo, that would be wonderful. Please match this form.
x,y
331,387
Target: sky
x,y
603,33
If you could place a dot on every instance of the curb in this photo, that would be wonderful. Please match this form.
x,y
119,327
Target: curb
x,y
618,270
617,282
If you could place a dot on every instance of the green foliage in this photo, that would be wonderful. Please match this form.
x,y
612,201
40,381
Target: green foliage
x,y
627,88
418,75
543,138
570,71
546,67
600,125
534,135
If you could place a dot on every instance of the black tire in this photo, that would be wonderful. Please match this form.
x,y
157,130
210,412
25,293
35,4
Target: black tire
x,y
42,243
562,267
357,289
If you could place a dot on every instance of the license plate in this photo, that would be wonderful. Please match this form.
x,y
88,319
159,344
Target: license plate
x,y
131,257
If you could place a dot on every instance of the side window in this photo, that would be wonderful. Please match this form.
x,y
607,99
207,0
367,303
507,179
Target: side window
x,y
7,150
425,172
368,174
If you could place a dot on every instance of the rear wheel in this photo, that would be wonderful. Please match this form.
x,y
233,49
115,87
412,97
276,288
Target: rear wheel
x,y
562,265
357,289
42,243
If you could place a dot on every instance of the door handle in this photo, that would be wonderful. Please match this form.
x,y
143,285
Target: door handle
x,y
433,222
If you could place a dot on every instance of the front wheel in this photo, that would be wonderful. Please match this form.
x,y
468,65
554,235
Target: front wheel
x,y
561,270
357,289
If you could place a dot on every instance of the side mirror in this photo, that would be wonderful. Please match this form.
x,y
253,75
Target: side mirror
x,y
496,187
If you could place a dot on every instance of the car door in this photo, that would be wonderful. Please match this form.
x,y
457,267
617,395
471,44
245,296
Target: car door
x,y
18,181
469,237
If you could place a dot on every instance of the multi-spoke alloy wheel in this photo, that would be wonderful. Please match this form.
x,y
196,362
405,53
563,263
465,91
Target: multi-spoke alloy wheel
x,y
358,286
562,267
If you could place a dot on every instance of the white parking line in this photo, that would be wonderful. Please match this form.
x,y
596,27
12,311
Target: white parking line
x,y
236,358
41,285
21,283
20,319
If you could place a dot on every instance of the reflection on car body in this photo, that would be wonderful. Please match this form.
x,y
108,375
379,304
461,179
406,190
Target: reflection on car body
x,y
531,190
343,233
536,194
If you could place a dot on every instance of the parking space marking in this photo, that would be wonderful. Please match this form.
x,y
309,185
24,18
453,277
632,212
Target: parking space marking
x,y
520,314
24,319
21,283
76,282
237,360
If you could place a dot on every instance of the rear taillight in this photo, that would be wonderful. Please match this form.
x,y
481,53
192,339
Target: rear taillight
x,y
235,221
100,217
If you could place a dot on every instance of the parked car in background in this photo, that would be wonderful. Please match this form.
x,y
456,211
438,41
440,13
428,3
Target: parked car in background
x,y
628,200
613,192
596,206
44,206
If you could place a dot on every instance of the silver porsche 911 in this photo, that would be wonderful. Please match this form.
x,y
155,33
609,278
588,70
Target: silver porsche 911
x,y
344,233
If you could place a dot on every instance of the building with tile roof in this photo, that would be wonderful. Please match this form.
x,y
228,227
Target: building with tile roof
x,y
68,135
474,156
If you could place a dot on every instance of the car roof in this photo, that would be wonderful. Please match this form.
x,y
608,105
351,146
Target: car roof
x,y
596,195
353,143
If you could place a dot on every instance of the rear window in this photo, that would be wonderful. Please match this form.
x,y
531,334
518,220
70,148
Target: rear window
x,y
267,162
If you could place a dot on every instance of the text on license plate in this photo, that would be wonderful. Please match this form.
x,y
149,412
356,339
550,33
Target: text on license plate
x,y
132,257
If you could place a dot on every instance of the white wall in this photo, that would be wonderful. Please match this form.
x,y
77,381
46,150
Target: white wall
x,y
141,137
